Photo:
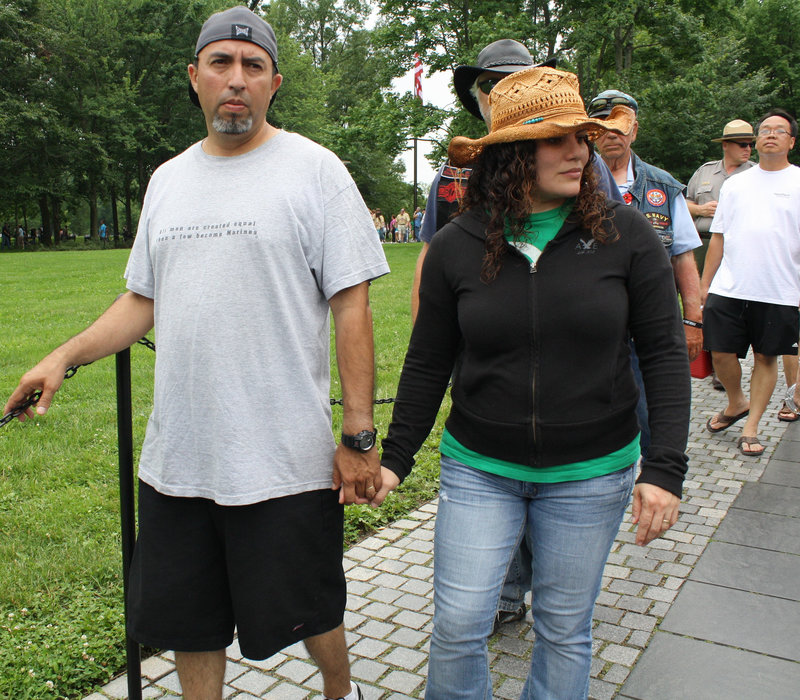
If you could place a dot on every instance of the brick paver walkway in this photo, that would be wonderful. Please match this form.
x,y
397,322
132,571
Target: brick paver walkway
x,y
390,605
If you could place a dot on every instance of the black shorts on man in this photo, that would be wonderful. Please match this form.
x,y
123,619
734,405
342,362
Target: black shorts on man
x,y
733,325
273,570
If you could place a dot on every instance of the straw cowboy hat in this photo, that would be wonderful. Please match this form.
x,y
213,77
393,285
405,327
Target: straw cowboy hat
x,y
538,103
737,130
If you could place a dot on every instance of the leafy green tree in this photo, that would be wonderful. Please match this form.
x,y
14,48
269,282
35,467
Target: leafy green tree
x,y
774,47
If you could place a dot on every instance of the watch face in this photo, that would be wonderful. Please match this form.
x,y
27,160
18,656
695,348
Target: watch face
x,y
367,441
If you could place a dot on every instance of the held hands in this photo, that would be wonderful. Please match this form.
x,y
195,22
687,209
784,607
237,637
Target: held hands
x,y
359,477
655,510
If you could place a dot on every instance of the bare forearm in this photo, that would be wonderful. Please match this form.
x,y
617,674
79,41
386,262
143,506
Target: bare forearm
x,y
122,324
355,357
713,260
688,282
129,318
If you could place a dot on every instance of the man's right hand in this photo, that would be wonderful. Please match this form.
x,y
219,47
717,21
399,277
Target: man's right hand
x,y
46,377
707,209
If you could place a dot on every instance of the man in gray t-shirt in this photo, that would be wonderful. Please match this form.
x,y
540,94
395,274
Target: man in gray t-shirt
x,y
247,242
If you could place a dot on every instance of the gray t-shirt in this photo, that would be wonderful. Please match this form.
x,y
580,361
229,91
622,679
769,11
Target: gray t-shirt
x,y
241,255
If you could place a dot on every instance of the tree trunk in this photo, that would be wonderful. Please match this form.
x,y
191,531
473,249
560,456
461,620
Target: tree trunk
x,y
55,209
619,51
128,213
141,176
47,221
92,212
114,215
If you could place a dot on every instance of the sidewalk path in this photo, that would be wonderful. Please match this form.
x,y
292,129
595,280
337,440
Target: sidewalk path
x,y
687,617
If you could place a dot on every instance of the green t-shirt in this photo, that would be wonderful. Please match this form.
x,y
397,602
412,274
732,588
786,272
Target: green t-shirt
x,y
577,471
540,229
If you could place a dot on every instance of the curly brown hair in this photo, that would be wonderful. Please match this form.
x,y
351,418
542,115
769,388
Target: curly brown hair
x,y
503,182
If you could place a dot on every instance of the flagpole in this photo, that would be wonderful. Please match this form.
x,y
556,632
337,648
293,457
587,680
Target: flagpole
x,y
415,175
417,93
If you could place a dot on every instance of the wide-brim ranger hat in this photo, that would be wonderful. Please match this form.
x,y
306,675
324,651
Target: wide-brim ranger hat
x,y
737,130
502,56
238,23
538,103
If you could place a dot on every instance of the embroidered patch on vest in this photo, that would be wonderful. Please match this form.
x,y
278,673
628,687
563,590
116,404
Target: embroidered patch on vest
x,y
656,197
658,221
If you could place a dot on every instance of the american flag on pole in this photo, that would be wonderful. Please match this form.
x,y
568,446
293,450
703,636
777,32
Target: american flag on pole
x,y
417,77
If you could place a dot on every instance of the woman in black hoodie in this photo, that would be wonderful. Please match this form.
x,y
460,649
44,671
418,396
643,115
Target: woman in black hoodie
x,y
529,299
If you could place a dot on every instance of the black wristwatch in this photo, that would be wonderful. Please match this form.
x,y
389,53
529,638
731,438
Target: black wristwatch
x,y
363,441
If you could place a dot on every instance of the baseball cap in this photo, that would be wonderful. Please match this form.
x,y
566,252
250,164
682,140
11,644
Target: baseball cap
x,y
602,105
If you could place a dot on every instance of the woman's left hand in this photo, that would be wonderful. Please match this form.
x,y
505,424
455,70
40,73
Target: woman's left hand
x,y
655,510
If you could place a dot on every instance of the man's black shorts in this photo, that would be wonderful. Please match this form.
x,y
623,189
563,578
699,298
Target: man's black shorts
x,y
733,325
272,569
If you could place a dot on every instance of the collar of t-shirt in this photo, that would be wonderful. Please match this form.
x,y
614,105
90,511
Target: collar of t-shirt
x,y
623,188
539,230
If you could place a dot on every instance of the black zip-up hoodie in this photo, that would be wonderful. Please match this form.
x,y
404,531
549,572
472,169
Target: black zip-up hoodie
x,y
539,357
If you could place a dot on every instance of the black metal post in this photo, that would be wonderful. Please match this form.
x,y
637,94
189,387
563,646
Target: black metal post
x,y
127,508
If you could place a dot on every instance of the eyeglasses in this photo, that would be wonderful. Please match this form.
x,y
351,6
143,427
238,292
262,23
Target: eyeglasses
x,y
766,131
485,86
599,103
743,144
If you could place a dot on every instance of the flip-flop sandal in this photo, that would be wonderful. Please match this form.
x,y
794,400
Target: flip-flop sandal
x,y
788,412
747,440
725,421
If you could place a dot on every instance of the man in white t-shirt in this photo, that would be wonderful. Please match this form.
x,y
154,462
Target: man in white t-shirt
x,y
247,242
751,279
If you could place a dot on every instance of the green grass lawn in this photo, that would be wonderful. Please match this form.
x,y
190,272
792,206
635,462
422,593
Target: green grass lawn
x,y
61,624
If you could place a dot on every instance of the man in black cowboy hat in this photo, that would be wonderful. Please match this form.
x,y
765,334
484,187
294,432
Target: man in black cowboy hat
x,y
247,241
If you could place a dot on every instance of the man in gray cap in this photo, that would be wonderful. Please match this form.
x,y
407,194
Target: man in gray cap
x,y
246,242
702,192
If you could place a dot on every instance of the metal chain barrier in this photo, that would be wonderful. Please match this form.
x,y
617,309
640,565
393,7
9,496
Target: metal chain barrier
x,y
71,371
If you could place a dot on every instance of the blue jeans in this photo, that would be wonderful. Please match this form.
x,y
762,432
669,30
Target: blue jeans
x,y
518,579
570,527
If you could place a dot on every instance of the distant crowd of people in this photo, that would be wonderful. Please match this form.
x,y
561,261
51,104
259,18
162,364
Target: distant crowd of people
x,y
402,228
18,237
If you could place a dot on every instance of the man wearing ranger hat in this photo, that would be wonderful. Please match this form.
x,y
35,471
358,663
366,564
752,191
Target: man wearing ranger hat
x,y
702,192
247,242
